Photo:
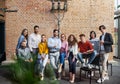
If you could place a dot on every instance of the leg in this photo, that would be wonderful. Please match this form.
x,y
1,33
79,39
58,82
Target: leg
x,y
80,57
104,75
44,63
92,57
52,61
62,55
57,54
73,70
41,67
70,66
63,69
105,56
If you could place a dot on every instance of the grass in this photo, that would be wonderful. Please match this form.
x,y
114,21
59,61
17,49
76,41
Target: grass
x,y
22,72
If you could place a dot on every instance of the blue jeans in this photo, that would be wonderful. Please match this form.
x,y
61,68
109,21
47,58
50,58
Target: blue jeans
x,y
91,57
62,57
72,65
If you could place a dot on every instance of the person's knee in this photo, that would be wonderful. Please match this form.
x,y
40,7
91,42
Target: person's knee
x,y
79,55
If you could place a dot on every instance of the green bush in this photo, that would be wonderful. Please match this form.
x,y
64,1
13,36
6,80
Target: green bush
x,y
22,72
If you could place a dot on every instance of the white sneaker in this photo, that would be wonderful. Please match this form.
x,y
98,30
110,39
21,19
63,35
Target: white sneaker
x,y
106,78
100,80
89,66
83,65
92,74
60,70
42,78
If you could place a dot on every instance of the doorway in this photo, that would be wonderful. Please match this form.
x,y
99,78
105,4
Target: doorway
x,y
2,42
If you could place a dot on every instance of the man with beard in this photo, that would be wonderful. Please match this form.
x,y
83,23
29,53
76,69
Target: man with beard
x,y
34,39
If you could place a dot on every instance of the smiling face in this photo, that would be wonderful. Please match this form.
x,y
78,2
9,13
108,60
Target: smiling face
x,y
24,43
63,37
102,30
92,35
36,30
55,33
25,33
71,38
82,38
43,39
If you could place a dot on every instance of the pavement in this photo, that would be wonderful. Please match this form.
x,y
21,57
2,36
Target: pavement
x,y
114,79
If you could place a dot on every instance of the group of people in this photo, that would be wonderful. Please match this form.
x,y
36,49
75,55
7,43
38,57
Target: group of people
x,y
58,49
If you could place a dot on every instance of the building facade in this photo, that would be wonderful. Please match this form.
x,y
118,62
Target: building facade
x,y
82,17
117,28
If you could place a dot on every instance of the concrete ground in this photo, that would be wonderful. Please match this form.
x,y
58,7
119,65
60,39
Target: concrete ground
x,y
114,79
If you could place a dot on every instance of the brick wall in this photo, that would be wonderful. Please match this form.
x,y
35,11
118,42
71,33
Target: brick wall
x,y
82,17
2,5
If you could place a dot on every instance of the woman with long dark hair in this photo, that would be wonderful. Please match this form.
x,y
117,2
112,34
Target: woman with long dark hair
x,y
23,36
72,51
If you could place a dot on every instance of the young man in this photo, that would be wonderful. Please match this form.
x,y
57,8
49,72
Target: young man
x,y
34,39
54,45
24,52
85,50
106,42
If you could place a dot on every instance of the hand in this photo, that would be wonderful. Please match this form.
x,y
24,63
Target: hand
x,y
31,60
54,46
26,60
66,58
73,59
42,57
84,53
101,42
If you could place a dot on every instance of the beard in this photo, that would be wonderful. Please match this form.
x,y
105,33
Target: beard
x,y
36,32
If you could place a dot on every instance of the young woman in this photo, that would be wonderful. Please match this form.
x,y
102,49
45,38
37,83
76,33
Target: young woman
x,y
63,52
95,42
73,50
93,36
24,35
43,55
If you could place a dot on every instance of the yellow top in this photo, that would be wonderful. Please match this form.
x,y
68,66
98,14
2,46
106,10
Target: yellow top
x,y
43,48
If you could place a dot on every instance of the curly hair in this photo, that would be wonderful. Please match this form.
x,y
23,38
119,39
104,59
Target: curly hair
x,y
71,43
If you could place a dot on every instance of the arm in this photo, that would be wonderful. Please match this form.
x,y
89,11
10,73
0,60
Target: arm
x,y
20,55
50,44
40,48
75,50
66,48
58,46
29,43
110,42
21,38
90,48
29,54
46,48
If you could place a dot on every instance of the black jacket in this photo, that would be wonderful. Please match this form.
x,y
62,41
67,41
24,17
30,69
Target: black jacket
x,y
108,42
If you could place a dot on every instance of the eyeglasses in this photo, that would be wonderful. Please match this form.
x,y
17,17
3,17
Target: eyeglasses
x,y
62,36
